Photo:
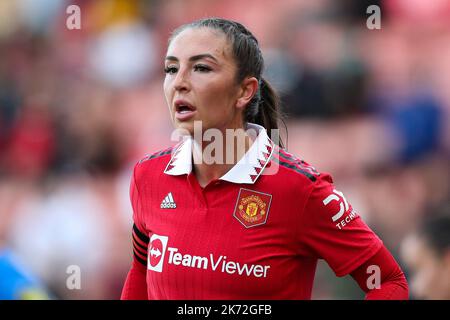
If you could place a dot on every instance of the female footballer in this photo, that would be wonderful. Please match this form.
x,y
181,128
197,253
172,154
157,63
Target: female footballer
x,y
248,220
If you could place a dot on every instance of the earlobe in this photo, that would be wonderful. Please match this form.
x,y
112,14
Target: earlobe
x,y
240,103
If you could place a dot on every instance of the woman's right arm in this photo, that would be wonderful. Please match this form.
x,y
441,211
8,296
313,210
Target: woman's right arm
x,y
135,287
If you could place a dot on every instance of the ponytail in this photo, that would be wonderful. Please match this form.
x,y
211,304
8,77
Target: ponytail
x,y
264,110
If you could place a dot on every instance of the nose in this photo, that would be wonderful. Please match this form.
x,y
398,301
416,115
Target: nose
x,y
181,82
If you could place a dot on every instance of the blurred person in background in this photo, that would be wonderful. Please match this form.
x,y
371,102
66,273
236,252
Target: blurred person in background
x,y
17,282
426,253
63,97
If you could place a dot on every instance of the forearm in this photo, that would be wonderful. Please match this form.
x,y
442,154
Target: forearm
x,y
381,278
135,287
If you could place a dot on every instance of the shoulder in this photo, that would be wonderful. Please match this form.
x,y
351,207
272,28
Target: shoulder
x,y
150,162
156,156
298,169
320,194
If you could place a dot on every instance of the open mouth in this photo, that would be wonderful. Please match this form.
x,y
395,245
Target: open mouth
x,y
183,106
183,109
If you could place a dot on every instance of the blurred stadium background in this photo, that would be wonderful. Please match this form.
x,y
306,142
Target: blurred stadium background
x,y
79,107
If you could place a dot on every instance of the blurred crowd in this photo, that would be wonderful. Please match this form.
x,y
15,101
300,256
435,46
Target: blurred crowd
x,y
79,107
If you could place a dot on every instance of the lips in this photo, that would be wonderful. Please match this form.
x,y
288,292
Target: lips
x,y
184,110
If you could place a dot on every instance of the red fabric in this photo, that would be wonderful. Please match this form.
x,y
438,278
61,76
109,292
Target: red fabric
x,y
135,287
393,285
334,231
201,249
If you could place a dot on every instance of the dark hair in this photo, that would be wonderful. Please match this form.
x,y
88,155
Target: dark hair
x,y
436,229
264,108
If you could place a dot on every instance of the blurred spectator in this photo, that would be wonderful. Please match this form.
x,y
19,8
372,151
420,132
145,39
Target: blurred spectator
x,y
331,78
16,282
75,221
427,255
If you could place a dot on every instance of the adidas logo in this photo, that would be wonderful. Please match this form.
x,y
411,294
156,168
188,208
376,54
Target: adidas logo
x,y
168,202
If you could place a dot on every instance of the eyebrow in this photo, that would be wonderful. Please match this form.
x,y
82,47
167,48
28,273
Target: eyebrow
x,y
194,58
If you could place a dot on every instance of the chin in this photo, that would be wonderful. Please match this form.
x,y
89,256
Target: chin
x,y
185,127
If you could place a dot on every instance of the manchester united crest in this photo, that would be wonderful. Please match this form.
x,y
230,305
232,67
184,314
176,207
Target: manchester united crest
x,y
252,207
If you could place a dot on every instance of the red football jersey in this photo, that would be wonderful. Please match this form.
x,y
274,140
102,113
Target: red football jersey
x,y
255,233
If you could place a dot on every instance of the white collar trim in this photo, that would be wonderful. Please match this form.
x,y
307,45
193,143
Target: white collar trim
x,y
248,168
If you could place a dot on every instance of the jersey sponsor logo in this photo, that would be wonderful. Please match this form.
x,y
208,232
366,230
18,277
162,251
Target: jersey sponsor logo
x,y
338,196
168,202
252,207
220,263
346,220
156,252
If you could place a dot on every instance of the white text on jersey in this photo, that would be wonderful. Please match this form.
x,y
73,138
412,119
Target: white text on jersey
x,y
220,264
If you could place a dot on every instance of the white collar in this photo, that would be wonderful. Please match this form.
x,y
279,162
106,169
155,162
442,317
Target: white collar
x,y
248,168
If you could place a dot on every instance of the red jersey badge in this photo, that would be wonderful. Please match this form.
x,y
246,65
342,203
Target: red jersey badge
x,y
252,207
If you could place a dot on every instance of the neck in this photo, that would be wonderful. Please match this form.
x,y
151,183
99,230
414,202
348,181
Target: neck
x,y
212,159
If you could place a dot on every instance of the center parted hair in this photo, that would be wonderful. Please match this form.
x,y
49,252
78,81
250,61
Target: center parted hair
x,y
264,108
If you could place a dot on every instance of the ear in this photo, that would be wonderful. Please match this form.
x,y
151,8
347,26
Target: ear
x,y
247,90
